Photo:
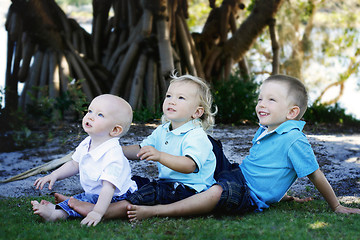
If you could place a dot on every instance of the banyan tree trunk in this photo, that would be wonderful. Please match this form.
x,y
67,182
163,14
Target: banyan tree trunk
x,y
130,53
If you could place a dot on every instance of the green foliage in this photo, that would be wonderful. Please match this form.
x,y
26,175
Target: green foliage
x,y
22,135
32,127
72,104
236,100
288,220
198,12
318,113
146,115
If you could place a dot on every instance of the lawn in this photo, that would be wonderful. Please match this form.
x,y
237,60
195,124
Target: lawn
x,y
312,220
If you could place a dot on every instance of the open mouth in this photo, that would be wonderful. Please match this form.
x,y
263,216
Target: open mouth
x,y
263,114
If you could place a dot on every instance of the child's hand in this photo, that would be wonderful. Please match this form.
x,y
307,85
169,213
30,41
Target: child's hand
x,y
40,182
346,210
149,153
92,219
287,198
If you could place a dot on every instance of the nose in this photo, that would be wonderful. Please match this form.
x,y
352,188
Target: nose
x,y
171,101
90,116
261,104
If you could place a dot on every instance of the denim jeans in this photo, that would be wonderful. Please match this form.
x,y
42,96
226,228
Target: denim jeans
x,y
160,192
235,197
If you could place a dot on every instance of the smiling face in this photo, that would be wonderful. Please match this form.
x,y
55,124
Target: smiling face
x,y
274,105
182,103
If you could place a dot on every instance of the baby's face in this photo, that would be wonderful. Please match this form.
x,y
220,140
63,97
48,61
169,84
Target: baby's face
x,y
99,120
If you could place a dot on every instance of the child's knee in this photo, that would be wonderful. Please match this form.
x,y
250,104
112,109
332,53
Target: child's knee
x,y
216,191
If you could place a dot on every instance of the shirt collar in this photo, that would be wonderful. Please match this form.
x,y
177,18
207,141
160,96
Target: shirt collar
x,y
98,152
287,126
190,125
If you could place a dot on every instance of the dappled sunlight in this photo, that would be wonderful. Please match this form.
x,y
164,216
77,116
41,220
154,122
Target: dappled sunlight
x,y
318,225
349,199
351,139
342,147
353,160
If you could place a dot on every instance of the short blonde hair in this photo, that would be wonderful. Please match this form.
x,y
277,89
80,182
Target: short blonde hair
x,y
296,90
206,99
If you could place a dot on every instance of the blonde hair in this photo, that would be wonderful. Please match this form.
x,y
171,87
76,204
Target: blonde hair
x,y
296,90
206,99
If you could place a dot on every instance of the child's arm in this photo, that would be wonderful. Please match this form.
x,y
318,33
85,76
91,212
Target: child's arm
x,y
94,217
130,151
66,170
321,183
180,164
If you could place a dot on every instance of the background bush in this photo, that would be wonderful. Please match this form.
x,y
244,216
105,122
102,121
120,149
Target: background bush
x,y
318,113
236,100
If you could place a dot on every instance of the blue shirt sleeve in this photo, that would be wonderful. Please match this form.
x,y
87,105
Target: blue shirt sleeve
x,y
302,157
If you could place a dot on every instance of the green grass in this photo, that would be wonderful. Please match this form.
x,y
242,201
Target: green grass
x,y
312,220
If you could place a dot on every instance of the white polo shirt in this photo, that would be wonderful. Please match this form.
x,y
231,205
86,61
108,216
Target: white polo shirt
x,y
106,162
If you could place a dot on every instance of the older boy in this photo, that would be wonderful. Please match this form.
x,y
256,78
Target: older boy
x,y
280,154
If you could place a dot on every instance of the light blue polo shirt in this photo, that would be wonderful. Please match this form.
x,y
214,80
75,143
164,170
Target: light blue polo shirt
x,y
187,140
276,160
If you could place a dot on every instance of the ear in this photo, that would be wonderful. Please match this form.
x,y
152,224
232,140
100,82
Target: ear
x,y
293,112
117,130
198,113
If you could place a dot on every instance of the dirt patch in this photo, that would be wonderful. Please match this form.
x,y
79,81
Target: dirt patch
x,y
338,155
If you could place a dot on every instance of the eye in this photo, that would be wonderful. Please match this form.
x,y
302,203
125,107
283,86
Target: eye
x,y
182,98
272,99
101,115
168,95
89,111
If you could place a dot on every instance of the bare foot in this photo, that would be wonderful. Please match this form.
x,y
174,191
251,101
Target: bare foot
x,y
44,202
47,211
137,212
81,207
60,198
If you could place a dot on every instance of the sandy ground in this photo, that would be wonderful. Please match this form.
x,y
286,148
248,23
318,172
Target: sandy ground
x,y
338,156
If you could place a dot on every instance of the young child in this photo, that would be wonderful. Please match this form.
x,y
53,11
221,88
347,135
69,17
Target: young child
x,y
105,173
180,146
280,154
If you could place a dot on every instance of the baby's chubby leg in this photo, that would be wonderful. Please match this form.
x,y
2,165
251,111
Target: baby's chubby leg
x,y
114,211
81,207
60,197
47,211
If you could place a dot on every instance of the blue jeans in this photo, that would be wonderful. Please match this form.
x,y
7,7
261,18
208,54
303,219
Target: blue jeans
x,y
235,197
160,192
91,198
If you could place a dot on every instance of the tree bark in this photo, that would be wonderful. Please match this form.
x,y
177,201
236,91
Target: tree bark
x,y
111,58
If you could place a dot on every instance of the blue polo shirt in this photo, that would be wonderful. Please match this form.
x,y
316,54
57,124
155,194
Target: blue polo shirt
x,y
276,160
187,140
